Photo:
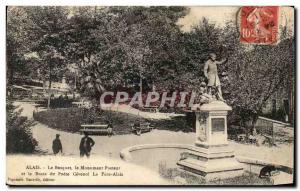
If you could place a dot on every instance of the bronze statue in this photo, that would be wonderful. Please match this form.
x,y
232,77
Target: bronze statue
x,y
211,73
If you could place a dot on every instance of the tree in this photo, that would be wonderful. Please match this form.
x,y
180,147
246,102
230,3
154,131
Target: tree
x,y
47,27
195,47
252,74
162,37
122,43
17,43
255,75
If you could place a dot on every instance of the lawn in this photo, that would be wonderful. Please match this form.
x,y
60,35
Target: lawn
x,y
70,119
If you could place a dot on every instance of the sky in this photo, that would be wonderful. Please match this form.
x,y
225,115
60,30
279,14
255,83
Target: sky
x,y
220,15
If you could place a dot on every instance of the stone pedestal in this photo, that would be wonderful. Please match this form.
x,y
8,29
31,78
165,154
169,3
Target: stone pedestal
x,y
211,157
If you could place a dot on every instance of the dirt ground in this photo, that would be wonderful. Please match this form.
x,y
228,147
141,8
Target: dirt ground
x,y
111,146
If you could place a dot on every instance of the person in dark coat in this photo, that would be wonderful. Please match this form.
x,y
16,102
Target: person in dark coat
x,y
56,145
86,145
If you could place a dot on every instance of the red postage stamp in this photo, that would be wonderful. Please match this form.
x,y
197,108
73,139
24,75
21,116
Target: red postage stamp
x,y
259,24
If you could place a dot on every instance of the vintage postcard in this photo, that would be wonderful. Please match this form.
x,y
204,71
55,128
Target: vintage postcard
x,y
157,95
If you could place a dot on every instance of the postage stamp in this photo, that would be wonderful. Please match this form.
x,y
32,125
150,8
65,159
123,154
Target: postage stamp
x,y
259,24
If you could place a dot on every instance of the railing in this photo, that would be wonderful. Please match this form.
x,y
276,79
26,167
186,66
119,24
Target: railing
x,y
265,127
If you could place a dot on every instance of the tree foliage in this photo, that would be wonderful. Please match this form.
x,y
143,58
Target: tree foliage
x,y
114,45
17,43
111,46
18,135
257,74
47,35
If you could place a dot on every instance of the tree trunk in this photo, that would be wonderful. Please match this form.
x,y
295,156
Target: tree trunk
x,y
253,122
245,123
11,76
250,125
153,87
141,84
49,95
10,67
49,88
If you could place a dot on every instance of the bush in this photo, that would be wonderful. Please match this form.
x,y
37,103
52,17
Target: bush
x,y
18,133
57,103
70,119
66,119
178,123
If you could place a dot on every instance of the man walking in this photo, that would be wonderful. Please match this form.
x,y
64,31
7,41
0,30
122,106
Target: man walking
x,y
86,145
56,145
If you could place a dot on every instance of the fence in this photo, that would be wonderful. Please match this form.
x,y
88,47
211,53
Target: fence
x,y
266,126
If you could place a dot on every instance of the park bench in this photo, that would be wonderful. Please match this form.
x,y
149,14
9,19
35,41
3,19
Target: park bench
x,y
151,109
139,128
81,104
97,128
242,138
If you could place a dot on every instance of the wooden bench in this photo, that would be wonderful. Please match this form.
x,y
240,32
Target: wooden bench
x,y
97,129
139,128
241,137
151,109
81,104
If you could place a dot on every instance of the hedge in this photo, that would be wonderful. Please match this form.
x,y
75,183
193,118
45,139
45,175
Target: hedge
x,y
70,119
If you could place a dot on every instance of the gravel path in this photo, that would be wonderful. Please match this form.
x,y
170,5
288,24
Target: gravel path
x,y
111,146
148,115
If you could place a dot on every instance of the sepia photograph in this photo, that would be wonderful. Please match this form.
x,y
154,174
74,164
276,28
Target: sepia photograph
x,y
150,95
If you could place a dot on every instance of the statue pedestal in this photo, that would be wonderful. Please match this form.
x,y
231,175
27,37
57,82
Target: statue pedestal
x,y
211,157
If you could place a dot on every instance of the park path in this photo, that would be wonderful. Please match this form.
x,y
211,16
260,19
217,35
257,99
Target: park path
x,y
105,146
148,115
111,146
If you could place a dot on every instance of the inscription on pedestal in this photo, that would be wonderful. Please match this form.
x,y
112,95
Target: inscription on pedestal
x,y
218,125
211,157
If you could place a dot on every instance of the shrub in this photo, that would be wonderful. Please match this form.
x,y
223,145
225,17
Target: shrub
x,y
178,123
57,103
18,133
70,119
66,119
